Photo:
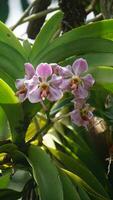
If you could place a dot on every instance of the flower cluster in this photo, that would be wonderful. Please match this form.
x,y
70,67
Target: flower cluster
x,y
51,81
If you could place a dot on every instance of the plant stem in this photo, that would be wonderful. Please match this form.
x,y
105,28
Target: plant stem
x,y
91,6
26,12
39,15
96,18
32,17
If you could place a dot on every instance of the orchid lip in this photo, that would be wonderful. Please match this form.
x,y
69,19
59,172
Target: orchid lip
x,y
21,91
44,85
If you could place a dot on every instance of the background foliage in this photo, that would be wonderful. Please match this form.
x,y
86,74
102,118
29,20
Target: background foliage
x,y
42,159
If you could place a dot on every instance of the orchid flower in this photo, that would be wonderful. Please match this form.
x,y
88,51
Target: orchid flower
x,y
82,115
72,79
20,83
44,84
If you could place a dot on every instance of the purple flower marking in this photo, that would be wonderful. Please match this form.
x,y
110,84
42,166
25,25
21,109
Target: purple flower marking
x,y
44,84
20,83
72,79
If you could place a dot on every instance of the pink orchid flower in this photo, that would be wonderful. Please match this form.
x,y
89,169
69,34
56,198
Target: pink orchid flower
x,y
82,115
72,79
44,84
20,83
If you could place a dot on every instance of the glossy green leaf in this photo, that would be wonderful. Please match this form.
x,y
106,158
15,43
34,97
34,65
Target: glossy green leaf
x,y
91,31
82,193
93,59
13,109
65,101
46,35
88,157
4,180
101,29
59,50
70,192
4,132
75,166
87,187
104,77
11,64
7,36
45,174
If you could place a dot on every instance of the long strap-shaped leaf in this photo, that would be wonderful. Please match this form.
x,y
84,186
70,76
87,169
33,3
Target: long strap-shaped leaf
x,y
46,34
11,64
7,36
87,187
80,170
14,112
70,192
45,174
59,49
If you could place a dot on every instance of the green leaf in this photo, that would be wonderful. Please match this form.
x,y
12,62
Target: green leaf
x,y
93,31
87,187
4,180
4,132
13,109
6,193
101,29
83,195
88,157
104,77
45,174
65,101
7,36
18,180
61,49
75,166
46,35
11,64
93,59
70,192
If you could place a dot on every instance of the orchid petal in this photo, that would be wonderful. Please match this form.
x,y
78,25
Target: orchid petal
x,y
88,81
80,92
54,94
34,96
66,72
65,84
44,70
76,117
55,81
29,70
80,66
19,83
